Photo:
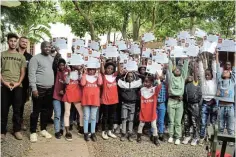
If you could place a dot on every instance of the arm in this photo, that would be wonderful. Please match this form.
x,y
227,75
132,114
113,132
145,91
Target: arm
x,y
102,67
195,72
33,65
234,69
158,87
99,80
185,69
83,80
216,68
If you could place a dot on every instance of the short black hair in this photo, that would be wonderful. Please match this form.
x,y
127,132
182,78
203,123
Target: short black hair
x,y
112,64
61,60
210,70
108,60
12,35
150,78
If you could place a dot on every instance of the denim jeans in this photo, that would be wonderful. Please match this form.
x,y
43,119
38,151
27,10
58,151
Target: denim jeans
x,y
58,115
161,111
206,111
226,118
90,113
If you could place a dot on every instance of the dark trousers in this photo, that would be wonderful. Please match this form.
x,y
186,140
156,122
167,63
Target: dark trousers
x,y
108,112
25,91
9,98
191,118
41,105
50,109
118,114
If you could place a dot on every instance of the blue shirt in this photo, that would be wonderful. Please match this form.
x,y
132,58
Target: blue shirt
x,y
162,94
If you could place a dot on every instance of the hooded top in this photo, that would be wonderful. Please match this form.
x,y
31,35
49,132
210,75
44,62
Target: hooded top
x,y
208,87
176,84
225,87
129,91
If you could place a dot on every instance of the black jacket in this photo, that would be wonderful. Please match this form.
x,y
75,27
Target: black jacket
x,y
192,93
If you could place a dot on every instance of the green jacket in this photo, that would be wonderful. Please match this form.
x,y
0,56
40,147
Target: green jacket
x,y
176,84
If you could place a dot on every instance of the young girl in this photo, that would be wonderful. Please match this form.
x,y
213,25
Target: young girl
x,y
129,87
109,98
148,107
72,95
91,83
58,93
209,106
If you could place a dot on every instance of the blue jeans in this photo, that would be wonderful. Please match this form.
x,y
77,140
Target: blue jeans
x,y
226,118
58,115
206,111
90,114
161,111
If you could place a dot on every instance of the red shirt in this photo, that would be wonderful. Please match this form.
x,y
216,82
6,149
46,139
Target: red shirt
x,y
73,89
91,90
110,92
149,103
59,84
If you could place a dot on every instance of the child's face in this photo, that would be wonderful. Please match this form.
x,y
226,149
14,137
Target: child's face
x,y
147,83
208,75
61,66
109,70
226,74
177,72
228,66
142,71
129,77
91,71
190,79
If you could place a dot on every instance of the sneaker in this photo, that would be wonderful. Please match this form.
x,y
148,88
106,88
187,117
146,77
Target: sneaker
x,y
50,121
139,138
130,137
18,135
186,140
162,137
93,137
86,138
45,134
81,130
68,136
58,135
170,140
201,141
122,137
177,142
104,135
23,127
61,132
194,142
231,144
155,141
110,134
33,137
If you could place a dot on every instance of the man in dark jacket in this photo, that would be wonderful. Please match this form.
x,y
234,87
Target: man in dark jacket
x,y
23,43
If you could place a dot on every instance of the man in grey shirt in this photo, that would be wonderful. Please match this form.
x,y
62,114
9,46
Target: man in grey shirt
x,y
41,81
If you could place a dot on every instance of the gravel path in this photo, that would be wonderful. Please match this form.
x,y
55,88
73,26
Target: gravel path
x,y
12,147
116,148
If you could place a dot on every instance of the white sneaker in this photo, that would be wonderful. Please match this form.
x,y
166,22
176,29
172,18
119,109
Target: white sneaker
x,y
170,140
104,135
186,140
177,142
45,134
194,142
111,134
33,137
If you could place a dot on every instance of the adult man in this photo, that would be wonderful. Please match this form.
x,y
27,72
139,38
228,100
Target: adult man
x,y
12,75
23,42
41,81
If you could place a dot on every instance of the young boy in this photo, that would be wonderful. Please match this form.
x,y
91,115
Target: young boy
x,y
175,103
225,94
192,97
129,88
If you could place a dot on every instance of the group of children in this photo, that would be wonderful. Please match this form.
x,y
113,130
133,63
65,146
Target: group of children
x,y
122,94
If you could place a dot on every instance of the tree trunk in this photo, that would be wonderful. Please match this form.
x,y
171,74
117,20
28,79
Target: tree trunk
x,y
88,20
136,23
192,24
114,37
153,18
109,35
125,24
